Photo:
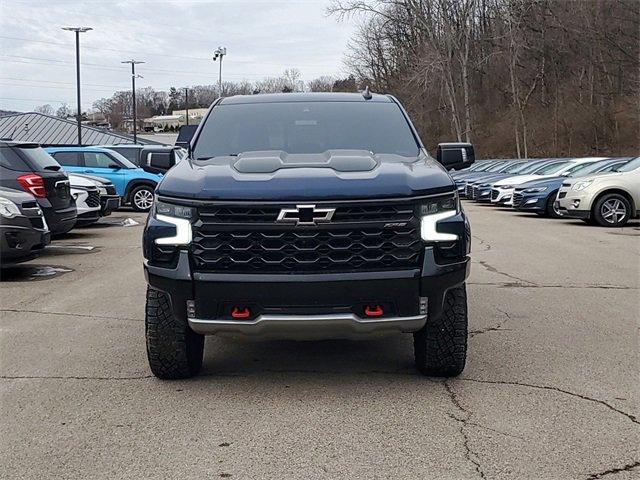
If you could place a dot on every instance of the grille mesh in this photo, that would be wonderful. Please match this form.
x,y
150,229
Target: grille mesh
x,y
517,199
93,198
242,239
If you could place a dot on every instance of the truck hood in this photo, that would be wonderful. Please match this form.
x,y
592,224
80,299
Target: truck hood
x,y
334,174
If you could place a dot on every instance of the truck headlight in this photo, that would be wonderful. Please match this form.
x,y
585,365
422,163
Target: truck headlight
x,y
581,185
8,209
433,211
177,215
534,189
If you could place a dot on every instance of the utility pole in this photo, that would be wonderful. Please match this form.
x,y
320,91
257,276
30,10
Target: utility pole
x,y
78,31
133,91
218,54
186,104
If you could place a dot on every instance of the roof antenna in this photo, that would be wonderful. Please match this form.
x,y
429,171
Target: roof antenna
x,y
366,93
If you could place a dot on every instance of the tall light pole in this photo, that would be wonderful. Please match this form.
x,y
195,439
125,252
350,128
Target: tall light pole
x,y
186,104
218,54
78,31
133,99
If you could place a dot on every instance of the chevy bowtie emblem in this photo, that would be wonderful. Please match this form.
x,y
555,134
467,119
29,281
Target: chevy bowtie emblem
x,y
305,215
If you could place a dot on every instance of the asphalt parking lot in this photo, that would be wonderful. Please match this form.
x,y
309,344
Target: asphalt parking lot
x,y
550,389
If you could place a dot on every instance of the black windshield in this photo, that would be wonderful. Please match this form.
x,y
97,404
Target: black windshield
x,y
306,127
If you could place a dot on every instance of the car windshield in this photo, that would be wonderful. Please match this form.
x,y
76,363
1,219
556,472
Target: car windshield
x,y
39,159
552,168
585,169
531,166
306,127
514,167
496,167
628,167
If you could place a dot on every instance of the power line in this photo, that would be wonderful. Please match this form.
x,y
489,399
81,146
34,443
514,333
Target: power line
x,y
207,59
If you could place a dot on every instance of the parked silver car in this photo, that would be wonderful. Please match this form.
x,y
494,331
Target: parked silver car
x,y
609,200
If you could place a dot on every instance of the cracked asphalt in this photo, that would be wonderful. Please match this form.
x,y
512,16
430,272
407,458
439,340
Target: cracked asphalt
x,y
550,390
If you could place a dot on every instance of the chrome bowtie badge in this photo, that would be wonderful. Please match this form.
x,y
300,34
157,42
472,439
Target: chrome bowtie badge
x,y
305,215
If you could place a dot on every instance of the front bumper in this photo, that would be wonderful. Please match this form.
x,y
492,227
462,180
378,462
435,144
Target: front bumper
x,y
531,202
502,196
19,243
108,204
573,204
308,306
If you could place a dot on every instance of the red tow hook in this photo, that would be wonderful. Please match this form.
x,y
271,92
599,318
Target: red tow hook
x,y
240,313
376,311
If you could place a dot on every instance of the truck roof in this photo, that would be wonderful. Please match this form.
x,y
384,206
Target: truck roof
x,y
305,97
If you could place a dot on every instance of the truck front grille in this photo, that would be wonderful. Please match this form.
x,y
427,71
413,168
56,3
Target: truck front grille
x,y
359,238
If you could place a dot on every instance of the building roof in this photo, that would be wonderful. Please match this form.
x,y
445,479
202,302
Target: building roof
x,y
53,131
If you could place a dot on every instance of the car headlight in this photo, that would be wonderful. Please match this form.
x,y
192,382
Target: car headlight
x,y
177,215
8,209
102,190
435,210
505,187
581,185
534,189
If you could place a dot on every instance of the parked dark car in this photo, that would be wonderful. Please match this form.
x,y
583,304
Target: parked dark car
x,y
26,166
478,188
23,229
539,195
109,198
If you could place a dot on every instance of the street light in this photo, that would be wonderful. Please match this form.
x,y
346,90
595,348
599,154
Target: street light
x,y
133,90
78,31
218,54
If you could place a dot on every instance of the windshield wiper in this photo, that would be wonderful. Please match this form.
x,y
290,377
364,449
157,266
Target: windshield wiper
x,y
55,168
215,156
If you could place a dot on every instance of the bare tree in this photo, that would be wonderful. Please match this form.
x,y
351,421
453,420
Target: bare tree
x,y
46,109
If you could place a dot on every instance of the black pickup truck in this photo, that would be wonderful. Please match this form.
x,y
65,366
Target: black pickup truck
x,y
308,216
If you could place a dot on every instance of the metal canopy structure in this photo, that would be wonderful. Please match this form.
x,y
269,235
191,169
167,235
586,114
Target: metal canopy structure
x,y
53,131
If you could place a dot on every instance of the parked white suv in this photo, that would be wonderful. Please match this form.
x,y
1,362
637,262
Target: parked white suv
x,y
87,196
609,200
502,191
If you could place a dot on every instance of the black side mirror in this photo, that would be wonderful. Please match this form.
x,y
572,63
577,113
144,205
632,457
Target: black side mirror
x,y
160,162
185,135
115,166
455,156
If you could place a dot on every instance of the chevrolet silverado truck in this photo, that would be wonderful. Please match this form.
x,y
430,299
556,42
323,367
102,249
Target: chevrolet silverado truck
x,y
308,216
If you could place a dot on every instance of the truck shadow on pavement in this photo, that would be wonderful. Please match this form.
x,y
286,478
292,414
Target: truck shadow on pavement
x,y
391,354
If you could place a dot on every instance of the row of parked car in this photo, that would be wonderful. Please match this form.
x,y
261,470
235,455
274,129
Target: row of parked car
x,y
46,192
598,190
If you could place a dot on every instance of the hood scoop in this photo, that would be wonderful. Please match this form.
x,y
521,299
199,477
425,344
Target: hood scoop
x,y
337,160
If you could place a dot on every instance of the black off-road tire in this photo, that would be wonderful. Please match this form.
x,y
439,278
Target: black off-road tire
x,y
173,349
618,219
440,347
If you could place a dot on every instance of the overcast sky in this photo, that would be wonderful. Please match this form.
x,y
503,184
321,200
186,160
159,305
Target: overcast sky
x,y
175,39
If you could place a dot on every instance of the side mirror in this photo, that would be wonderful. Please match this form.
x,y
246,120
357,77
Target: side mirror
x,y
115,166
455,156
185,135
160,162
565,174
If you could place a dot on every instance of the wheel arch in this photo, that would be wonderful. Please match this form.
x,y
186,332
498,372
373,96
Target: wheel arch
x,y
618,191
133,184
